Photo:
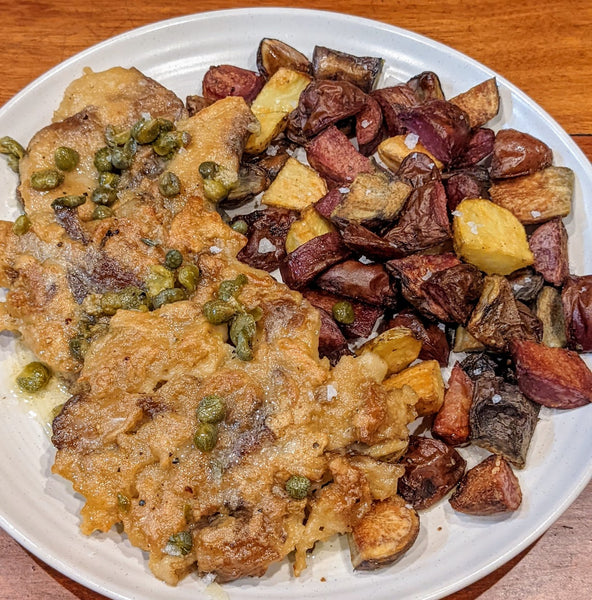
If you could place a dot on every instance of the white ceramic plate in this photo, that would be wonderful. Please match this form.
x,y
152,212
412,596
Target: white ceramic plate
x,y
41,511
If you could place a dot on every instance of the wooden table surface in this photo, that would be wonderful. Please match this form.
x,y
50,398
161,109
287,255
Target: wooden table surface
x,y
545,48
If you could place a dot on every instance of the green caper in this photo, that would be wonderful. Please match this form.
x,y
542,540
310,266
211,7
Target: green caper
x,y
169,184
168,296
109,180
173,259
159,278
102,212
13,162
240,226
33,377
110,303
145,131
208,169
188,276
103,196
205,437
179,544
47,179
102,160
115,138
133,298
230,288
11,147
66,158
121,159
217,312
123,502
21,225
215,190
343,312
298,486
242,331
169,142
211,409
68,201
78,347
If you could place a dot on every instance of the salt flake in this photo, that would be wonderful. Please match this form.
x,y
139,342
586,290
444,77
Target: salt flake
x,y
365,261
535,214
331,392
364,123
344,190
474,227
215,249
496,398
411,140
265,246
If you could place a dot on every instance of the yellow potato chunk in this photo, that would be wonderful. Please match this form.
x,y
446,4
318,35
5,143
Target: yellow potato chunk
x,y
490,237
425,378
309,226
393,150
296,187
397,347
278,98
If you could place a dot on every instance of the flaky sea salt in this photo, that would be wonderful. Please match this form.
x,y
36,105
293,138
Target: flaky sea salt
x,y
473,227
271,150
411,140
427,275
365,260
456,213
535,214
364,123
215,249
265,246
496,398
331,392
344,190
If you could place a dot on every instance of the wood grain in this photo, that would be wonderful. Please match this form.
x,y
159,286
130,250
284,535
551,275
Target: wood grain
x,y
543,48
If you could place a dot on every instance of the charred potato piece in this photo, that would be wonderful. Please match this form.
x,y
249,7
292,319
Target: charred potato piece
x,y
452,423
465,342
490,237
548,244
479,147
426,86
394,150
418,169
531,324
577,310
311,224
398,347
526,284
479,364
432,469
394,101
549,310
489,488
516,153
467,183
553,377
538,197
362,71
295,187
480,103
365,242
383,534
228,80
425,378
273,54
502,420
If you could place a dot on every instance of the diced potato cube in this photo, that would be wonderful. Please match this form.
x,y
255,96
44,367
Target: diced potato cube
x,y
425,379
481,102
296,187
465,342
490,237
538,197
393,150
310,225
397,347
278,98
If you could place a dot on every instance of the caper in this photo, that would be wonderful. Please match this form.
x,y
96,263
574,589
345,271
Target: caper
x,y
121,159
343,312
145,131
21,225
102,160
110,303
215,190
168,296
169,184
11,147
115,138
211,409
68,201
78,347
230,288
133,298
103,196
33,377
208,169
66,158
179,544
217,312
102,212
205,437
242,331
13,162
47,179
109,180
123,502
173,259
240,226
170,141
298,486
188,276
159,278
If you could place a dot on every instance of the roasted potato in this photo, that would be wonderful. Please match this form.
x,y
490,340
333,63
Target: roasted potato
x,y
398,347
426,86
548,244
311,224
516,153
274,54
480,103
577,310
549,310
394,150
227,80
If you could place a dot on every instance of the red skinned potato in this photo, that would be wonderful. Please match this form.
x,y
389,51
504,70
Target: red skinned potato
x,y
516,153
489,488
452,421
369,130
577,310
332,343
273,54
468,183
365,242
418,169
328,203
553,377
548,244
311,258
479,147
426,86
227,80
432,469
442,127
393,101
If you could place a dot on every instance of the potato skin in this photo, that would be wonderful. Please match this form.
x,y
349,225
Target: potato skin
x,y
577,310
516,153
548,244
